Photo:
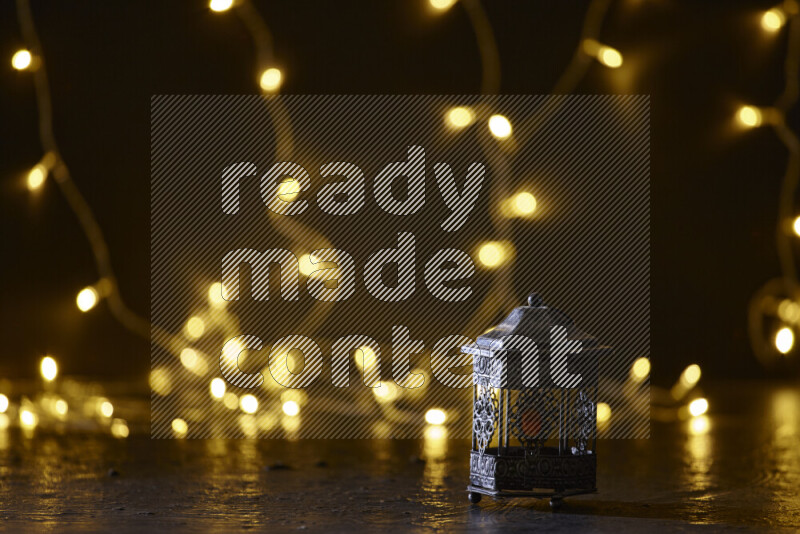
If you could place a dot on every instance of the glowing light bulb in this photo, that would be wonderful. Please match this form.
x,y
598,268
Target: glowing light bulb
x,y
195,327
28,419
385,392
36,177
61,407
608,56
215,295
640,369
784,340
459,117
119,428
691,375
499,126
442,5
3,403
435,416
87,299
749,116
160,382
48,368
291,408
289,189
365,357
21,59
220,5
603,412
698,407
773,19
180,427
523,204
493,254
248,404
271,79
217,388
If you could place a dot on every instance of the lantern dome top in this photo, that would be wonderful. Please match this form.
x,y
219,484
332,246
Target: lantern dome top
x,y
534,321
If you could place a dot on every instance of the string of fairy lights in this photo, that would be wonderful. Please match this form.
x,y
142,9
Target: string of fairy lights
x,y
61,398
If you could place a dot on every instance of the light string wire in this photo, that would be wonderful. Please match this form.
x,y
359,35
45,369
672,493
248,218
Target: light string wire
x,y
767,301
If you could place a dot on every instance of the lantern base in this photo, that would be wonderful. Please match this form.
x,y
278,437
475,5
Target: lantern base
x,y
556,497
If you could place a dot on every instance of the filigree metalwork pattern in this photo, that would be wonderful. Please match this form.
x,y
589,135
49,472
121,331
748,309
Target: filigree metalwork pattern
x,y
585,422
484,416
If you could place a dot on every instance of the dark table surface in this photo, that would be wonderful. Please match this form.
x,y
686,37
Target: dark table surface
x,y
743,472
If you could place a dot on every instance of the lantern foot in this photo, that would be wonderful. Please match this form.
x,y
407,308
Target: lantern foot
x,y
555,503
474,498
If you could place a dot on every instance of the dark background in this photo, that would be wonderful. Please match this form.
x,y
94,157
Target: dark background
x,y
714,188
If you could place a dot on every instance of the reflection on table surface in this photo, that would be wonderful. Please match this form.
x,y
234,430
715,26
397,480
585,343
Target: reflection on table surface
x,y
739,466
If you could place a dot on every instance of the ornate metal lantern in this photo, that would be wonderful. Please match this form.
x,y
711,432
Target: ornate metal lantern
x,y
534,394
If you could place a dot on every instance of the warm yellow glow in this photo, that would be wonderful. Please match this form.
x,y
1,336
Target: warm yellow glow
x,y
368,360
435,416
48,368
86,299
230,400
500,126
36,177
699,425
28,419
195,327
215,295
21,59
610,57
159,381
773,19
796,225
119,428
459,117
5,421
289,189
784,340
789,311
305,264
180,427
290,424
603,412
189,358
291,408
231,351
523,204
691,375
442,5
492,254
640,369
749,116
271,79
3,403
385,392
698,407
220,5
217,388
61,407
106,409
248,404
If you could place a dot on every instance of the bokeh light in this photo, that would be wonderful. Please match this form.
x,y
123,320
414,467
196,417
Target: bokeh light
x,y
87,299
217,388
36,177
773,19
195,327
3,403
603,412
435,416
248,403
500,126
21,59
493,254
698,407
48,368
640,369
749,116
220,5
442,5
291,408
784,340
271,79
180,427
459,117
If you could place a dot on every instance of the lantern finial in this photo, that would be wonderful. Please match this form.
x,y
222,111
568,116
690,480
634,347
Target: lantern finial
x,y
535,300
